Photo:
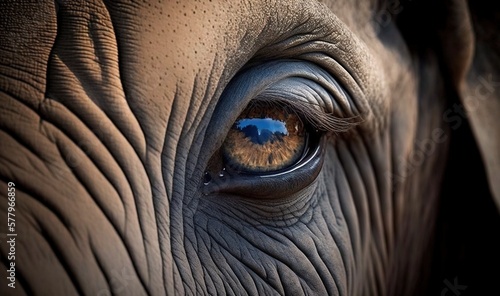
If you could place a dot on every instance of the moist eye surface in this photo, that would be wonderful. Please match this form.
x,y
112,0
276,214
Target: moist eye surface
x,y
265,139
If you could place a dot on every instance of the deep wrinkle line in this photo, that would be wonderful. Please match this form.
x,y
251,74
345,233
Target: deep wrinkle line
x,y
201,130
376,219
168,189
344,248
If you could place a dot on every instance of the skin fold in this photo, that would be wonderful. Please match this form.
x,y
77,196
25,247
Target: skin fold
x,y
112,112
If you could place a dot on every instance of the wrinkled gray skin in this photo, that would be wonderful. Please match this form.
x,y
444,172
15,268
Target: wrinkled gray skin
x,y
110,113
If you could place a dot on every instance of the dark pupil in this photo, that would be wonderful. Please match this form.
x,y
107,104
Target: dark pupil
x,y
262,130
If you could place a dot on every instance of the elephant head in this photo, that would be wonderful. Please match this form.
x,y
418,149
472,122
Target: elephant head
x,y
249,147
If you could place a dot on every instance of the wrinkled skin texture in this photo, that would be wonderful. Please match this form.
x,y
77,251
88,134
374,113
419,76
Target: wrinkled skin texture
x,y
111,111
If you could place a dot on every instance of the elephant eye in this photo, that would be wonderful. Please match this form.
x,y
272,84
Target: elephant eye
x,y
265,139
275,147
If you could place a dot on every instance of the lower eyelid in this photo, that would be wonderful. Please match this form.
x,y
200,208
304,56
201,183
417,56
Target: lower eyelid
x,y
272,186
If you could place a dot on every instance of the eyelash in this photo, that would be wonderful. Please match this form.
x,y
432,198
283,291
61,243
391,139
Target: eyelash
x,y
312,114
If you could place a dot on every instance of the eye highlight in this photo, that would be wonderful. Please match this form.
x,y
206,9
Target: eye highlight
x,y
265,138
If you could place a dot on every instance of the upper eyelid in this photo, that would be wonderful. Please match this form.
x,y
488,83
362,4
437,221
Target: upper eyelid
x,y
270,76
327,94
316,95
329,44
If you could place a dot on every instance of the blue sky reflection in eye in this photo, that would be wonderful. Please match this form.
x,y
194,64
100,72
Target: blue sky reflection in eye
x,y
262,130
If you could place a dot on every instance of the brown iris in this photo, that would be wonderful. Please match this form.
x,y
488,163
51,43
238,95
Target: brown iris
x,y
265,139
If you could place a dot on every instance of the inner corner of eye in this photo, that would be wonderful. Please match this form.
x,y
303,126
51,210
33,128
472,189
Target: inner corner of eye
x,y
265,138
